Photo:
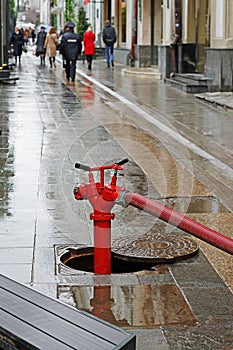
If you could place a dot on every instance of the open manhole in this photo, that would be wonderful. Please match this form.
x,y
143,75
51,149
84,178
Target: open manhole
x,y
82,259
132,254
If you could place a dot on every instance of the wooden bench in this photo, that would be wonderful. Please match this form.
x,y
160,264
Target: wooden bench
x,y
31,320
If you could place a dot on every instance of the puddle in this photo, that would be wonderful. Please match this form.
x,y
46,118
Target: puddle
x,y
131,305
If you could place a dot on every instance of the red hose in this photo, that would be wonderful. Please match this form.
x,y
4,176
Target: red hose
x,y
179,220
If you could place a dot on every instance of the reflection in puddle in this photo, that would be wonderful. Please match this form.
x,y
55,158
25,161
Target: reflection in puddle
x,y
131,306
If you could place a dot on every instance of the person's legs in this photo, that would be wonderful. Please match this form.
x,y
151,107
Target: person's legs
x,y
54,62
73,70
107,55
112,54
63,62
50,61
67,69
89,60
91,57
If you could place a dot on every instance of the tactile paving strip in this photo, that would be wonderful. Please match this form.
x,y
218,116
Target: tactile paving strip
x,y
154,247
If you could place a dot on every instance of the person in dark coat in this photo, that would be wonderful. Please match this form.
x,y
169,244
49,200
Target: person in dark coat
x,y
40,41
70,48
109,38
33,36
89,45
17,42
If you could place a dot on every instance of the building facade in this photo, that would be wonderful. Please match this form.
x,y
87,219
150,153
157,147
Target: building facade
x,y
201,31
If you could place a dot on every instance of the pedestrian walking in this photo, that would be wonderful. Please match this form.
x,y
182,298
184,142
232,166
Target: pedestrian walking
x,y
26,36
50,46
89,46
70,48
109,38
17,43
33,36
40,41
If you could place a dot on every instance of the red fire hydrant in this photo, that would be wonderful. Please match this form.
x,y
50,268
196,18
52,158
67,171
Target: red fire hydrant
x,y
102,198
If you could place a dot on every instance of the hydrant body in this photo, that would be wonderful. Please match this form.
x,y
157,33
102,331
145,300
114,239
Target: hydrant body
x,y
102,198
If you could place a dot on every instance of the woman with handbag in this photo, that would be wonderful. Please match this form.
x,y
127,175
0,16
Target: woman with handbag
x,y
50,46
40,41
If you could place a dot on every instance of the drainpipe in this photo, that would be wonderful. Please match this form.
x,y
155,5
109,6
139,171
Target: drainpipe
x,y
179,220
134,34
1,35
152,31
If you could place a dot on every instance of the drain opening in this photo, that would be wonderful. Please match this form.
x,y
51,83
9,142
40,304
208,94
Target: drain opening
x,y
83,259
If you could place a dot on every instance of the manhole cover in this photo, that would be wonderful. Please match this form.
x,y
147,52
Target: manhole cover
x,y
154,247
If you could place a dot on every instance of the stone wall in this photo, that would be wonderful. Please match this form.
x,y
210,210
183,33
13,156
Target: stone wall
x,y
122,56
164,62
146,56
219,68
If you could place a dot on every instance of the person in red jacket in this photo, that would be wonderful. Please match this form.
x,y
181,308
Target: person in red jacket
x,y
89,45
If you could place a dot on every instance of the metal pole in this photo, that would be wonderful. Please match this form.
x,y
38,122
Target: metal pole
x,y
102,242
1,25
134,33
152,30
6,31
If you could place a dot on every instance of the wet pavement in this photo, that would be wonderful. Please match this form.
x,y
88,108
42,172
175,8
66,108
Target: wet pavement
x,y
180,151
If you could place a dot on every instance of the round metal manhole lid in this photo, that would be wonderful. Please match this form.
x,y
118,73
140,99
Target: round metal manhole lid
x,y
154,247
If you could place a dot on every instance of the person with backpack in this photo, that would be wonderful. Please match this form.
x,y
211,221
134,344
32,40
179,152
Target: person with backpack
x,y
109,38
